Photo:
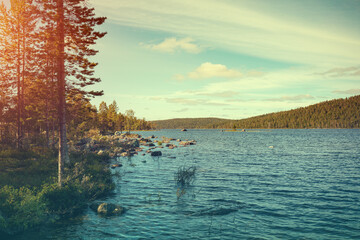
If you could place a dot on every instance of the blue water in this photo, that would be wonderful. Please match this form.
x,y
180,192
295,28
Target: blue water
x,y
278,184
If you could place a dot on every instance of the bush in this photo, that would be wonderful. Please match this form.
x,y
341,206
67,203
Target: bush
x,y
21,209
65,200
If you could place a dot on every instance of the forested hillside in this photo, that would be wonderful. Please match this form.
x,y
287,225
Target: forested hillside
x,y
179,123
338,113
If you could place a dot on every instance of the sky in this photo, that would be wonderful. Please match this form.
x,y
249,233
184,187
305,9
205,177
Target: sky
x,y
226,58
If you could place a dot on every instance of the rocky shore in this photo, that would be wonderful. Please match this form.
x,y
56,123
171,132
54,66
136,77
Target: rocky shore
x,y
124,145
127,145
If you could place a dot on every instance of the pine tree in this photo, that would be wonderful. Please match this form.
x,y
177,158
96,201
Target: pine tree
x,y
18,27
74,23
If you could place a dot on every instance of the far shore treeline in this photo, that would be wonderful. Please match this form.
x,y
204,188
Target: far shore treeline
x,y
337,113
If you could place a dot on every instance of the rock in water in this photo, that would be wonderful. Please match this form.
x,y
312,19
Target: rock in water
x,y
116,165
110,209
156,153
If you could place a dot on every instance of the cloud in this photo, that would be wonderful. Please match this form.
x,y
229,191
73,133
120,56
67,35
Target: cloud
x,y
179,77
189,101
225,94
182,110
291,98
219,94
210,70
350,91
255,28
342,72
171,45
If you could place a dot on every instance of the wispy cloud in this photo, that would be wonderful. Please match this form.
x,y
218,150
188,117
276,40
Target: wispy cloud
x,y
244,27
225,94
291,98
342,72
171,45
348,92
189,101
218,94
182,110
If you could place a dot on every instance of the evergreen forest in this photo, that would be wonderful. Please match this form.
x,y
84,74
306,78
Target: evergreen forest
x,y
337,113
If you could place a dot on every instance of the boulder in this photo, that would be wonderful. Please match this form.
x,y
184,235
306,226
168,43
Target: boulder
x,y
138,149
107,209
119,150
145,140
116,165
156,153
187,143
134,144
127,154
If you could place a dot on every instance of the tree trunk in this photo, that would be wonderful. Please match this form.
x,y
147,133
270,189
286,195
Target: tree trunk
x,y
19,130
63,153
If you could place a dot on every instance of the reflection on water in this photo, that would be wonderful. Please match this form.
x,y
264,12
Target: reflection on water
x,y
280,184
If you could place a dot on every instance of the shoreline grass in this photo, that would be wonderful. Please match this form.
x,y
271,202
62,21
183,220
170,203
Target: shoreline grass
x,y
29,195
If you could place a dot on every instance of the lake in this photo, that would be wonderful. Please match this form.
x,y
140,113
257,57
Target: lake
x,y
265,184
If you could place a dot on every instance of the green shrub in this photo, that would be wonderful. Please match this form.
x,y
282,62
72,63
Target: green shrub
x,y
65,200
21,209
28,187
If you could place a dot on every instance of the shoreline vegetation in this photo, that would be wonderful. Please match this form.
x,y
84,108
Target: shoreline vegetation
x,y
46,113
30,196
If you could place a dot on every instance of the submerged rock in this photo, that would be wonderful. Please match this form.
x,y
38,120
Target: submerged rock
x,y
156,153
107,209
171,146
116,165
187,143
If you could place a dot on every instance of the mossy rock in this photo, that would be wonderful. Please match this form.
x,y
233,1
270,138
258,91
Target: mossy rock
x,y
107,209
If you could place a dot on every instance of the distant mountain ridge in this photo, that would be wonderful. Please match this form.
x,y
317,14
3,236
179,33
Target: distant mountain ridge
x,y
337,113
189,123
